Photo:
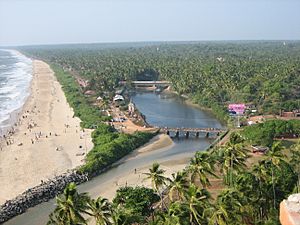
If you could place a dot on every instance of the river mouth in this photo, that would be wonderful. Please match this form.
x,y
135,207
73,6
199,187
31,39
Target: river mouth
x,y
160,110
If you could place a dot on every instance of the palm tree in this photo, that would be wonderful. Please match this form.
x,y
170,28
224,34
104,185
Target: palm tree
x,y
261,195
218,216
232,158
55,219
196,200
275,157
229,204
100,209
174,216
70,207
295,162
119,215
201,166
178,184
158,180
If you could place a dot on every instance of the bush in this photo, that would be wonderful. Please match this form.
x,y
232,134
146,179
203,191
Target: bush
x,y
137,200
264,133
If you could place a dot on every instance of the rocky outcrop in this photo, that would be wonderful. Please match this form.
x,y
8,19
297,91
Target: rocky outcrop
x,y
42,193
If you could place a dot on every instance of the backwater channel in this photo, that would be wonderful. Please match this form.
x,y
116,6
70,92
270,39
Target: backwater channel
x,y
160,110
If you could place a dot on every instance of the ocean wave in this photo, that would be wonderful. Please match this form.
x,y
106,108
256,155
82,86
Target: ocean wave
x,y
4,118
7,89
15,84
13,95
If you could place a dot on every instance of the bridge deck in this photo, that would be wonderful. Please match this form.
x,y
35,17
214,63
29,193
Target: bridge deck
x,y
139,82
210,130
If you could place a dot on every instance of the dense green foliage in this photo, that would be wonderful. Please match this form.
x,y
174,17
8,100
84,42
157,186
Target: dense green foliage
x,y
266,74
264,133
251,197
212,74
70,207
90,115
109,145
137,201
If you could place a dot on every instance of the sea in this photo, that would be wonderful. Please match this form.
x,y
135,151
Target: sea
x,y
15,78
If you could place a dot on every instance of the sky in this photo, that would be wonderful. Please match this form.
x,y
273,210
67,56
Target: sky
x,y
35,22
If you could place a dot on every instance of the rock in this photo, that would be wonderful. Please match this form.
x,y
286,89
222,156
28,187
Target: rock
x,y
41,193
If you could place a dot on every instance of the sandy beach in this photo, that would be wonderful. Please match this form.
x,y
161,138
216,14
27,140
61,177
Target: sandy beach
x,y
136,177
46,141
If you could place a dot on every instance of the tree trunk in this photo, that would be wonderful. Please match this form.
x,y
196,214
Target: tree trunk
x,y
274,195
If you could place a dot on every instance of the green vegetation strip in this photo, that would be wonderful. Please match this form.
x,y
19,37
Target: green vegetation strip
x,y
109,145
264,133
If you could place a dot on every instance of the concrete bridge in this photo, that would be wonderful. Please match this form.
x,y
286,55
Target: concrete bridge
x,y
187,132
147,83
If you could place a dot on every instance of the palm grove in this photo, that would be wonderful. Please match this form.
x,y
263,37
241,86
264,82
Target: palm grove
x,y
212,74
265,74
250,195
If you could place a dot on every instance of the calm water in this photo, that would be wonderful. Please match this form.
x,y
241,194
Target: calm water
x,y
159,111
169,111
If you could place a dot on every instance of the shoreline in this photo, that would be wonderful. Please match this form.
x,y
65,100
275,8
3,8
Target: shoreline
x,y
39,147
10,123
159,142
14,121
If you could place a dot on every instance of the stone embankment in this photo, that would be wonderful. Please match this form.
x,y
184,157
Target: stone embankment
x,y
42,193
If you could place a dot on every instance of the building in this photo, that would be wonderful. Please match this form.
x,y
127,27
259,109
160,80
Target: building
x,y
259,149
294,113
118,98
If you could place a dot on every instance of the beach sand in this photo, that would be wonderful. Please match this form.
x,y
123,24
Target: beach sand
x,y
47,140
136,178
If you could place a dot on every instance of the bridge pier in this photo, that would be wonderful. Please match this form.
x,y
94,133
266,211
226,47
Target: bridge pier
x,y
177,134
187,134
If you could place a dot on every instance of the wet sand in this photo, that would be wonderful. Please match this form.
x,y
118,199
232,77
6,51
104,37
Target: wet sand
x,y
136,176
47,140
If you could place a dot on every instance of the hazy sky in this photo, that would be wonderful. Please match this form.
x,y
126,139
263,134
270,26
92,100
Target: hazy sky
x,y
24,22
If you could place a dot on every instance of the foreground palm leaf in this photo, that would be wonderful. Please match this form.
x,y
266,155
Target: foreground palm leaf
x,y
70,207
100,210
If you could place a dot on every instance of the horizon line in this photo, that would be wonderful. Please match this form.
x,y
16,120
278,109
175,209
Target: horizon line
x,y
137,42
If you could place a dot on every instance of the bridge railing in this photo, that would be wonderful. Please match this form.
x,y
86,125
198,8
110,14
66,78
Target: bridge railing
x,y
147,82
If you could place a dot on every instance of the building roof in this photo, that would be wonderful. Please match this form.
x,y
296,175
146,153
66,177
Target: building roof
x,y
118,98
